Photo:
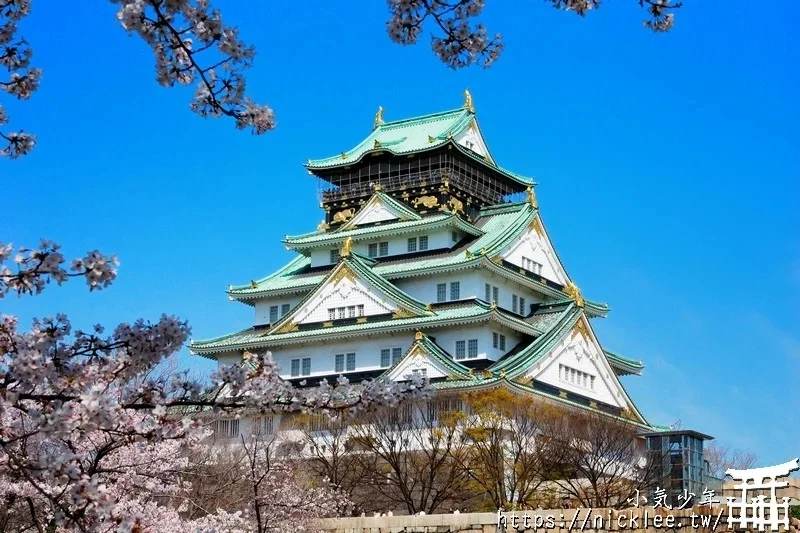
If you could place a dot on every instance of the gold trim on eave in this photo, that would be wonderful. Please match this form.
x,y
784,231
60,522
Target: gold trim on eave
x,y
574,292
347,247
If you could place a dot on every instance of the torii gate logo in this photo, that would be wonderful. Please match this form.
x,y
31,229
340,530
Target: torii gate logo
x,y
760,511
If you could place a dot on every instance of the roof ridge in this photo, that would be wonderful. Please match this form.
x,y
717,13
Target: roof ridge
x,y
421,118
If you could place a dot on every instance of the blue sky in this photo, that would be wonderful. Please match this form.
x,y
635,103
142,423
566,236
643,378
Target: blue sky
x,y
668,166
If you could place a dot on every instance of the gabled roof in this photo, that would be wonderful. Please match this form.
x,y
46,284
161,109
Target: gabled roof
x,y
414,135
424,345
356,267
442,315
331,238
379,198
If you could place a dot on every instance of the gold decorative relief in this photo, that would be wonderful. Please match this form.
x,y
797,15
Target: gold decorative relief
x,y
344,215
455,205
427,201
289,327
503,373
431,139
428,308
327,324
405,195
581,329
253,284
532,198
322,226
378,118
347,248
376,144
402,312
343,155
536,225
418,336
498,259
361,320
343,273
562,394
483,251
574,292
416,352
377,187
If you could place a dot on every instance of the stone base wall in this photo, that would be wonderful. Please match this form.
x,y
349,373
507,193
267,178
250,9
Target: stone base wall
x,y
637,520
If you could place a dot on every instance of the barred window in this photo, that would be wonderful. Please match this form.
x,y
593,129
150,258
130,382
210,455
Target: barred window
x,y
226,429
306,366
502,342
273,314
488,293
360,310
441,292
423,242
340,313
495,340
461,351
412,244
295,367
334,256
264,425
495,295
339,364
383,249
351,311
386,357
285,309
514,303
522,309
351,361
396,353
455,290
332,313
372,249
472,348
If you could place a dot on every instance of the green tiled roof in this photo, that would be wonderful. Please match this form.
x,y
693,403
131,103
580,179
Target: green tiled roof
x,y
322,238
475,311
413,135
624,364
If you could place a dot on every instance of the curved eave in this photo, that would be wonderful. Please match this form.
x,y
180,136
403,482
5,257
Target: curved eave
x,y
380,230
623,365
318,165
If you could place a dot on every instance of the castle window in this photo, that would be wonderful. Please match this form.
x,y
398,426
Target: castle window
x,y
412,244
522,310
285,309
455,290
334,256
502,342
390,356
273,314
295,367
339,364
498,341
306,366
360,310
532,266
372,249
514,303
332,313
263,425
421,372
461,351
492,293
423,242
226,429
351,311
340,312
351,362
472,348
495,340
383,249
441,292
576,377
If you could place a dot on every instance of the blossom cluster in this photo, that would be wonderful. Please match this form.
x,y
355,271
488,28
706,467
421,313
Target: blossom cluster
x,y
71,398
22,80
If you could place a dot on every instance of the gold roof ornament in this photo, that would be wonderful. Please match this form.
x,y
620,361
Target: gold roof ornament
x,y
347,247
377,187
574,292
532,198
322,226
378,117
431,139
418,336
253,284
428,307
468,102
343,155
503,373
376,144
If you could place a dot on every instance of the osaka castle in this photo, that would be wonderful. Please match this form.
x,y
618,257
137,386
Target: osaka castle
x,y
431,259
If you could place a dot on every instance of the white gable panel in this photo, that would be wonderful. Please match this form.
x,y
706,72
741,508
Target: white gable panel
x,y
472,139
578,365
537,247
347,292
417,361
373,212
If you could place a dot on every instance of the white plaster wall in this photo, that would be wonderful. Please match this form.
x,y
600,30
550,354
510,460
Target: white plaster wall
x,y
343,294
576,353
441,238
473,283
536,247
375,212
262,307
